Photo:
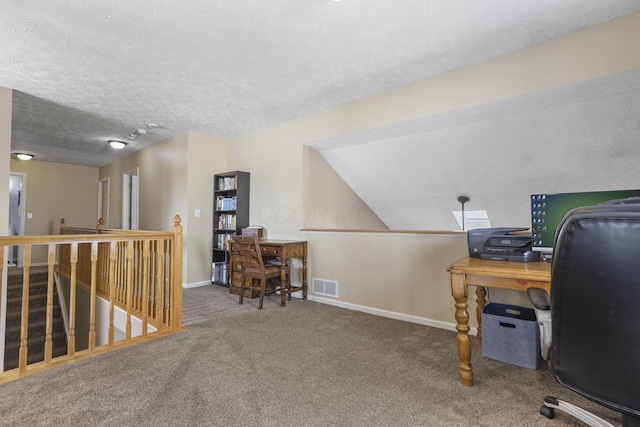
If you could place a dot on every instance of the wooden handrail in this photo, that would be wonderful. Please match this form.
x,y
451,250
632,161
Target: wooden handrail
x,y
137,271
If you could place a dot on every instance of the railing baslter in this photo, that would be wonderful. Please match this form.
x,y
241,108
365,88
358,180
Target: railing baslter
x,y
133,275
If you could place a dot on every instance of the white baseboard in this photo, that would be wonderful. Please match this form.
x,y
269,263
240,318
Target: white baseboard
x,y
196,284
390,314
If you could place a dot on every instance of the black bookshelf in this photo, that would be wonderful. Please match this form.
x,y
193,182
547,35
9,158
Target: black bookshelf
x,y
230,215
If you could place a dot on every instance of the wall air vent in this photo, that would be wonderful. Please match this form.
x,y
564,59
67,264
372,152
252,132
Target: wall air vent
x,y
327,288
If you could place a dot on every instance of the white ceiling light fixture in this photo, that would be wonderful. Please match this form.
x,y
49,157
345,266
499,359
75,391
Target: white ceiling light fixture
x,y
24,156
118,145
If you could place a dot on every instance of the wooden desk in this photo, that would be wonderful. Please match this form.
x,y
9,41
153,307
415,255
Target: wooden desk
x,y
481,273
283,249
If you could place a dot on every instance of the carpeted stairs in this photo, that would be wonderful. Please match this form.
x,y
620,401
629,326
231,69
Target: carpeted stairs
x,y
37,318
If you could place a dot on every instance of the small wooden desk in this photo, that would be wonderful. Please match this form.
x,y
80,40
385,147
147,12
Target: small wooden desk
x,y
283,249
481,273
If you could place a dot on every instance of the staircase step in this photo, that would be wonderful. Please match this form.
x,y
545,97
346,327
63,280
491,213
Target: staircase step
x,y
36,274
35,350
37,318
15,304
35,314
36,329
36,343
35,288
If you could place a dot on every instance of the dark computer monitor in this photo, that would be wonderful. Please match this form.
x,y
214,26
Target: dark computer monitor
x,y
547,210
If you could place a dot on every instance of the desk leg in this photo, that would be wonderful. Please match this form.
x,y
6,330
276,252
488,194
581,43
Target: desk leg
x,y
481,293
284,279
459,291
304,277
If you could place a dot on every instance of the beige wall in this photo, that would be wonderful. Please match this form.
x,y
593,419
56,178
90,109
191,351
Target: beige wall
x,y
6,97
418,263
207,157
396,273
274,158
176,178
162,174
57,190
54,191
334,204
595,52
401,273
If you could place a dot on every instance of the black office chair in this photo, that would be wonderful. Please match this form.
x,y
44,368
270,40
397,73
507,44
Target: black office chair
x,y
595,313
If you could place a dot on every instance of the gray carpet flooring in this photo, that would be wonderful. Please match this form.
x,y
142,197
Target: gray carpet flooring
x,y
306,364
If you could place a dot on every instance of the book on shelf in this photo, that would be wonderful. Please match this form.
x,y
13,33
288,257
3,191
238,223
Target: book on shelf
x,y
220,272
227,183
224,203
227,222
222,241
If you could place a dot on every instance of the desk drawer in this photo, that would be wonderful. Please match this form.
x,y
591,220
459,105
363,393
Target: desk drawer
x,y
505,282
270,250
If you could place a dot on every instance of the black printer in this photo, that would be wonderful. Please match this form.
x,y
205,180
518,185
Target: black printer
x,y
504,244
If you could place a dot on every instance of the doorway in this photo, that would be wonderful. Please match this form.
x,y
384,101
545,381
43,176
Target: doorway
x,y
17,186
130,199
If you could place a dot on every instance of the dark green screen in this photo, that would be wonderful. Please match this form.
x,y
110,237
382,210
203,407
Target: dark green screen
x,y
547,210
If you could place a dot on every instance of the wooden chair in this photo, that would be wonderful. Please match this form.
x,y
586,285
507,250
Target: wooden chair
x,y
255,274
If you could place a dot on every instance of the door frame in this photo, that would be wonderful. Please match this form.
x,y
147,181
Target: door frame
x,y
21,212
104,184
130,199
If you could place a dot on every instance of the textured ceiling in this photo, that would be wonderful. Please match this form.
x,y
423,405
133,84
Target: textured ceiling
x,y
86,71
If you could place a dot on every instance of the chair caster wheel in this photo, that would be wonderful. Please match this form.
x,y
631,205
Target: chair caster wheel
x,y
547,412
